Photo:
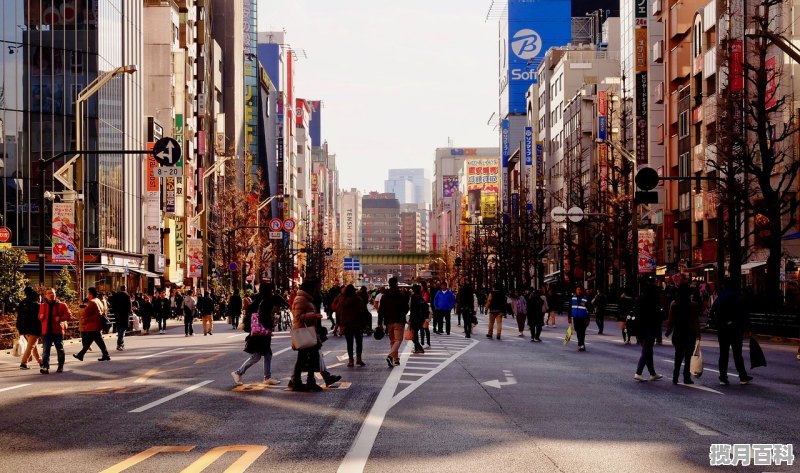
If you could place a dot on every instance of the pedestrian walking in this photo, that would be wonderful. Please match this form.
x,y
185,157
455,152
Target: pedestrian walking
x,y
418,314
235,305
465,307
161,308
519,308
599,307
732,324
29,326
51,314
121,307
258,342
647,310
330,296
625,316
554,305
496,306
189,309
350,314
683,324
90,326
177,303
146,313
205,307
304,314
393,310
579,316
536,308
443,303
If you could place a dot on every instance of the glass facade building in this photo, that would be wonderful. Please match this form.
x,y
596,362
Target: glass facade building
x,y
49,51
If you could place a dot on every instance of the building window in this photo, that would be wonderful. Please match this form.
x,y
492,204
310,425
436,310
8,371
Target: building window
x,y
684,164
683,124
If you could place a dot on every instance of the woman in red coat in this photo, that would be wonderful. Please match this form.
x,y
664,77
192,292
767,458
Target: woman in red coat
x,y
51,314
91,325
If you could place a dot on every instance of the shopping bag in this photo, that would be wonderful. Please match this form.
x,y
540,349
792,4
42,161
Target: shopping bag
x,y
426,323
757,357
16,351
568,336
304,337
409,334
696,363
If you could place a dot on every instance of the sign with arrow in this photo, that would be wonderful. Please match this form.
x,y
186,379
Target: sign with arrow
x,y
167,151
275,224
496,383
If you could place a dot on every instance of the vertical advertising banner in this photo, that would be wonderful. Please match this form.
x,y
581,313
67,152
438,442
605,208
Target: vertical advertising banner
x,y
449,186
180,242
488,206
533,28
170,196
152,208
483,174
179,180
194,253
63,236
528,146
504,143
640,86
647,256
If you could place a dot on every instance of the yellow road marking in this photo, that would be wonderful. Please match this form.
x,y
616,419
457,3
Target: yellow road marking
x,y
140,457
251,454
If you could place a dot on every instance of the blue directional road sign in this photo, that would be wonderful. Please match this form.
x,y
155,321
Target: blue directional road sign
x,y
352,264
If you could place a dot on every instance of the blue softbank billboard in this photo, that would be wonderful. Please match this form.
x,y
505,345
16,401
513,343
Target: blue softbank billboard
x,y
531,28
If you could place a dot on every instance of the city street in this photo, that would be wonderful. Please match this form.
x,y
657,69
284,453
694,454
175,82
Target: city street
x,y
168,404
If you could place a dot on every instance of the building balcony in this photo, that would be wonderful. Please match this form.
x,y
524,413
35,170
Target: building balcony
x,y
710,109
680,62
680,19
710,62
698,158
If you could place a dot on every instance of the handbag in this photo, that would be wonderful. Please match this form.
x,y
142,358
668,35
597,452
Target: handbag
x,y
17,350
568,336
696,363
757,357
426,323
304,337
256,329
409,334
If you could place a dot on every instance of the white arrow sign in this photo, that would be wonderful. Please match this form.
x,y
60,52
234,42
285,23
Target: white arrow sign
x,y
64,173
496,383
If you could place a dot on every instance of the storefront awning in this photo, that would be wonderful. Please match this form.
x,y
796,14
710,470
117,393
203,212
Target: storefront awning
x,y
144,272
747,267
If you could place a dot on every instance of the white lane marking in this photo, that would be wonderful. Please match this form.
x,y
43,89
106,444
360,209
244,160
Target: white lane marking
x,y
160,353
14,387
699,429
282,351
706,369
415,362
414,374
402,394
335,365
171,397
703,388
356,458
236,335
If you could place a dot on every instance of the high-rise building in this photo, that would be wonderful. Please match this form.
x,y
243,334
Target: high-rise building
x,y
380,230
420,181
350,217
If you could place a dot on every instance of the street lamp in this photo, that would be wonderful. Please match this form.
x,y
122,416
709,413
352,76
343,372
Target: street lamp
x,y
83,96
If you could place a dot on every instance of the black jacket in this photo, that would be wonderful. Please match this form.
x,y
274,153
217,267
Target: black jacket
x,y
235,305
418,316
161,307
393,308
121,307
28,318
205,305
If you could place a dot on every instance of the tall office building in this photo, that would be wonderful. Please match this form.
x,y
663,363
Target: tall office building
x,y
380,231
350,217
420,180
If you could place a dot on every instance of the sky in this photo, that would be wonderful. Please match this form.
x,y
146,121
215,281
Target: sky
x,y
398,79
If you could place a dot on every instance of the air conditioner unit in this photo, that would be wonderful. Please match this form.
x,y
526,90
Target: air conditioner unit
x,y
656,7
658,51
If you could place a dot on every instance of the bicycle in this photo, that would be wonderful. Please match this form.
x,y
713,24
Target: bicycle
x,y
283,320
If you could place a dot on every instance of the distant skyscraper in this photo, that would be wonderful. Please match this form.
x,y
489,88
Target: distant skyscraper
x,y
420,179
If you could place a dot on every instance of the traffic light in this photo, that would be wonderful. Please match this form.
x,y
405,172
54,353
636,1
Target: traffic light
x,y
647,179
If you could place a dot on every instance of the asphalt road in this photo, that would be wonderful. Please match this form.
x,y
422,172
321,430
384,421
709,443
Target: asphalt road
x,y
168,404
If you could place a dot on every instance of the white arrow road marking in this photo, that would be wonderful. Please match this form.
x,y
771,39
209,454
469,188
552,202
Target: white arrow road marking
x,y
699,429
496,383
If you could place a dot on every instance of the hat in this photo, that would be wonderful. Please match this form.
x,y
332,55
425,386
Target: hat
x,y
379,333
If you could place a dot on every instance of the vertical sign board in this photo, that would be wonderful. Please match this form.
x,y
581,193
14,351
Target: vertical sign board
x,y
63,236
647,255
194,253
540,178
528,162
180,242
640,86
504,161
152,217
179,180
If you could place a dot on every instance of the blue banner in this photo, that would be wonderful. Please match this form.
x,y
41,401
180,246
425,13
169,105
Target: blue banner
x,y
533,28
505,142
602,127
528,146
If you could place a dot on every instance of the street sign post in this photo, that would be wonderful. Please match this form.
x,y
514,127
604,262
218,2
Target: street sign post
x,y
289,224
328,251
167,151
275,235
275,225
5,235
233,267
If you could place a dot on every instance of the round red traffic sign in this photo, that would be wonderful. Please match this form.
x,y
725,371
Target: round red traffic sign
x,y
275,224
5,235
289,224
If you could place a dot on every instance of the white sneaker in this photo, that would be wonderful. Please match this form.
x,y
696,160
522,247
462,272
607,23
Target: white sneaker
x,y
237,378
656,377
639,377
271,382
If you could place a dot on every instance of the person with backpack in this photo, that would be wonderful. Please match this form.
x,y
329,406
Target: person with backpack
x,y
90,324
258,343
684,325
466,308
205,307
496,306
732,324
189,309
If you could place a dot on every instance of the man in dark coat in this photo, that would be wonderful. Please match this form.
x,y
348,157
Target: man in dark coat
x,y
162,310
731,321
648,320
392,311
235,308
121,307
